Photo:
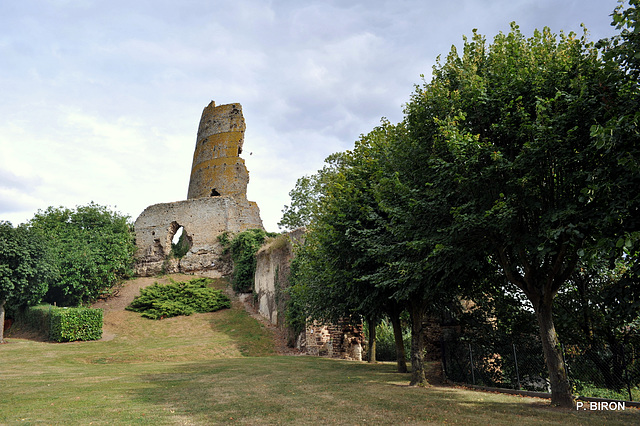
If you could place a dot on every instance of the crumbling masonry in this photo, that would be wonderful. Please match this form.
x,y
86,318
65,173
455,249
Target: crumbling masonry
x,y
273,262
217,201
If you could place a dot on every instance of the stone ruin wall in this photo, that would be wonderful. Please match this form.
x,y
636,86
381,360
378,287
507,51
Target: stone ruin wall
x,y
271,280
217,202
333,340
272,275
202,220
217,168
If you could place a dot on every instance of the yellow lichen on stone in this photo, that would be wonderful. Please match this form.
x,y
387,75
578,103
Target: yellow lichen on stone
x,y
217,201
217,168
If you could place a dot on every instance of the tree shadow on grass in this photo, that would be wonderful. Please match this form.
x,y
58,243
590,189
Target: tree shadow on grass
x,y
306,390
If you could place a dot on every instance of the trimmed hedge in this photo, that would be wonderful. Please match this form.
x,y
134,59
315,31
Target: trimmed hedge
x,y
179,298
37,318
70,324
65,324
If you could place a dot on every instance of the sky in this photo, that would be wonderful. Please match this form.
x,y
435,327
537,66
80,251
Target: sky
x,y
101,100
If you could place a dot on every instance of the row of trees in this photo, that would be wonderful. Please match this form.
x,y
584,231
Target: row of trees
x,y
516,165
63,256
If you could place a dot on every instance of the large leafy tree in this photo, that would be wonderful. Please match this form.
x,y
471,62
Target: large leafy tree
x,y
514,120
419,268
93,248
333,272
619,138
599,310
25,268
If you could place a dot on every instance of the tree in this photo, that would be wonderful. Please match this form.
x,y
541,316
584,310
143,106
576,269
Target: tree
x,y
417,268
511,124
327,278
332,271
304,202
25,268
619,137
92,246
599,310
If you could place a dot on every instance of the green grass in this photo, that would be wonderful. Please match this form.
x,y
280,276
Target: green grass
x,y
220,368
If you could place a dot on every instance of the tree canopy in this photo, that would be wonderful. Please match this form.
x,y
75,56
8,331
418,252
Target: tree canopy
x,y
25,268
518,159
92,248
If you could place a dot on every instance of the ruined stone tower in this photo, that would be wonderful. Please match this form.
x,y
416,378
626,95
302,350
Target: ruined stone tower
x,y
217,201
217,168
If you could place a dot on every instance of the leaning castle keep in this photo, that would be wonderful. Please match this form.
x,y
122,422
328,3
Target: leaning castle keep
x,y
216,201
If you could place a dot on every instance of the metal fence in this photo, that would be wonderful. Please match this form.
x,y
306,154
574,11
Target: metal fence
x,y
606,372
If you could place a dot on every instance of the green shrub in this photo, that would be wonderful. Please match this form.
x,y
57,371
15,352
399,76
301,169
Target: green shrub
x,y
182,247
386,343
244,247
179,298
37,318
65,324
71,324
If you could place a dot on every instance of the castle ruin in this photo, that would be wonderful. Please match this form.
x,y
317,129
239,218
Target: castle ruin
x,y
216,202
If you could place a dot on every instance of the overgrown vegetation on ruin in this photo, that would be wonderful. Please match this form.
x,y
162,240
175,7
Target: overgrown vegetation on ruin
x,y
243,248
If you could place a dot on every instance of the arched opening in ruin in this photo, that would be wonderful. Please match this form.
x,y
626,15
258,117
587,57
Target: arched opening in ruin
x,y
181,242
177,236
214,193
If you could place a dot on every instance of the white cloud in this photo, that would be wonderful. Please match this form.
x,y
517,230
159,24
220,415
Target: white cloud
x,y
101,100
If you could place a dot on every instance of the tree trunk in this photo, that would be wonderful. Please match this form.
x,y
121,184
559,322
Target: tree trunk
x,y
372,339
560,388
2,302
401,355
418,377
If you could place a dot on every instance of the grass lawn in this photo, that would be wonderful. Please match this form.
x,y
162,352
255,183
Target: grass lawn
x,y
221,368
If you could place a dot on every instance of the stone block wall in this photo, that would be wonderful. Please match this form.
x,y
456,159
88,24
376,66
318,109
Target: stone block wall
x,y
333,340
217,201
202,220
273,263
271,280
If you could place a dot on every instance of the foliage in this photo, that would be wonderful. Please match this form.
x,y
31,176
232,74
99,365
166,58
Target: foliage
x,y
624,48
179,298
304,202
385,342
71,324
24,265
599,312
64,324
25,268
179,249
244,247
92,246
225,239
619,138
